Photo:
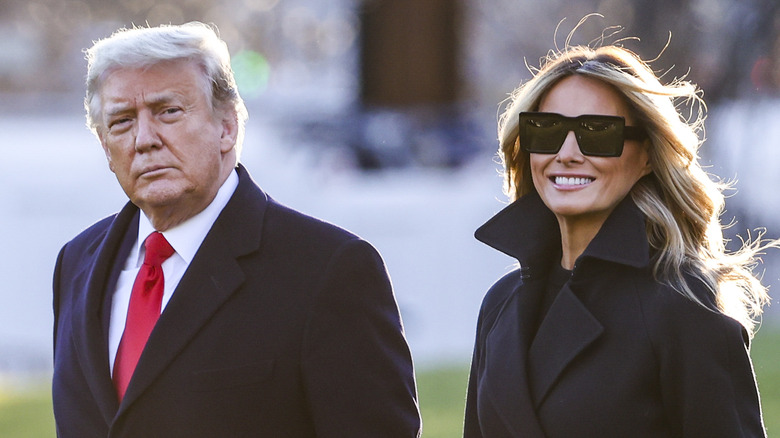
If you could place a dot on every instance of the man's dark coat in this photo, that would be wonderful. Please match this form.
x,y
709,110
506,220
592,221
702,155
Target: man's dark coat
x,y
282,326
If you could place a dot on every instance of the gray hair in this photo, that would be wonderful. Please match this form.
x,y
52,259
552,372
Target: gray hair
x,y
145,46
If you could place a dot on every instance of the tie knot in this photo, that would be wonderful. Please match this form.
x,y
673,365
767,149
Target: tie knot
x,y
157,249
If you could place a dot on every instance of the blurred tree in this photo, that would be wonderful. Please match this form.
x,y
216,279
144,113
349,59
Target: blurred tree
x,y
409,52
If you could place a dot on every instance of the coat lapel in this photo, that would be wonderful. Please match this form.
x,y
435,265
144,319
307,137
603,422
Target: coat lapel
x,y
507,383
90,337
569,326
567,330
212,277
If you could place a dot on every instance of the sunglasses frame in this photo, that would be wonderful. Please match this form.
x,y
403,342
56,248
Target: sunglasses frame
x,y
563,125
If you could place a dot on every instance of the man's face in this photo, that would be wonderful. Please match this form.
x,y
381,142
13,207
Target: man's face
x,y
169,149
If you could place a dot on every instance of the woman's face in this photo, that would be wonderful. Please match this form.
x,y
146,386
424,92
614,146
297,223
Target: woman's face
x,y
577,187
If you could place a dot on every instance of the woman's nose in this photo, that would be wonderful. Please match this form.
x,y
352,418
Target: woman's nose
x,y
570,149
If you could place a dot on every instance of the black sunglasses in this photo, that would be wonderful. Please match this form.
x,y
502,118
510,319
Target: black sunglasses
x,y
597,135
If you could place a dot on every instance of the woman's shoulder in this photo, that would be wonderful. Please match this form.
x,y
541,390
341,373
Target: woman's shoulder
x,y
693,297
500,291
669,314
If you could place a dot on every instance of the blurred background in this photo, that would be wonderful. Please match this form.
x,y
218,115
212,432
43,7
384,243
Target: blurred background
x,y
378,115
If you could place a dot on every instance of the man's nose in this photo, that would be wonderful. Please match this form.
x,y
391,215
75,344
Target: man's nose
x,y
147,135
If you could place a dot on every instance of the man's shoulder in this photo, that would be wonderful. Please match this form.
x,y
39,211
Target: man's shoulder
x,y
250,203
93,233
286,220
84,246
89,239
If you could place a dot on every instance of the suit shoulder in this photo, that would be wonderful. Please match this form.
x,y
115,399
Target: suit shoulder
x,y
292,223
91,236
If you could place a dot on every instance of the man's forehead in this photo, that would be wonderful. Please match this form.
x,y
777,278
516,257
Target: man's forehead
x,y
162,74
130,87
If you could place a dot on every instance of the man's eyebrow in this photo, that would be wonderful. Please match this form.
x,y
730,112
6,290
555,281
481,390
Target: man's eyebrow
x,y
114,108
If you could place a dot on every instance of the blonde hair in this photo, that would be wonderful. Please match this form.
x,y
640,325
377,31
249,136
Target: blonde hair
x,y
682,204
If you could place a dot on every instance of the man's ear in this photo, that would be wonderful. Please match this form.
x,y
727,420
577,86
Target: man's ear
x,y
229,124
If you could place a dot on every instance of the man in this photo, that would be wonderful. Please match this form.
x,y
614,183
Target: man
x,y
236,316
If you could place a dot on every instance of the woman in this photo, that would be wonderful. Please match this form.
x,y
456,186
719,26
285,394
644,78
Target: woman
x,y
626,316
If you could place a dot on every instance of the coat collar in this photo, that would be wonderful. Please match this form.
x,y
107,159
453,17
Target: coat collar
x,y
528,231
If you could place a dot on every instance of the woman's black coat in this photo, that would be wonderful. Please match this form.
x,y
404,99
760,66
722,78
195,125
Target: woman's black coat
x,y
618,354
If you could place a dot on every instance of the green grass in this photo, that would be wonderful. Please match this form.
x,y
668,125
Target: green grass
x,y
442,392
26,413
766,361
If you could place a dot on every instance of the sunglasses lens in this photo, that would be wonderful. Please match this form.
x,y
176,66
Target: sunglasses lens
x,y
542,133
600,136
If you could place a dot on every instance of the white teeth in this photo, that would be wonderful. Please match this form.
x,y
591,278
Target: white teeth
x,y
565,181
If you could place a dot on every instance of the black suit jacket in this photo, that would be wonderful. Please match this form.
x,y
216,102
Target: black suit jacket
x,y
617,354
282,326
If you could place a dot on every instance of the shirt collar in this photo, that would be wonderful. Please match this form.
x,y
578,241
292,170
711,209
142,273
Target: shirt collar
x,y
186,237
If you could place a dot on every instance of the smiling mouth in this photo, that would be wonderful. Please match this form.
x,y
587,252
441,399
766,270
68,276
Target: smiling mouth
x,y
576,181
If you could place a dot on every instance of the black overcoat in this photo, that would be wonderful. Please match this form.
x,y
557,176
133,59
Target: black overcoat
x,y
618,354
282,326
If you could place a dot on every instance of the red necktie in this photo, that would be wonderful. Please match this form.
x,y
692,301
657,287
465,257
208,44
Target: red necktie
x,y
143,311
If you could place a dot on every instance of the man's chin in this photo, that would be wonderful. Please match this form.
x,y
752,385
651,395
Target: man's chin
x,y
157,196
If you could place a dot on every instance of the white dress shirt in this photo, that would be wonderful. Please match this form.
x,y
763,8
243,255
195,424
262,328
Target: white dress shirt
x,y
185,239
